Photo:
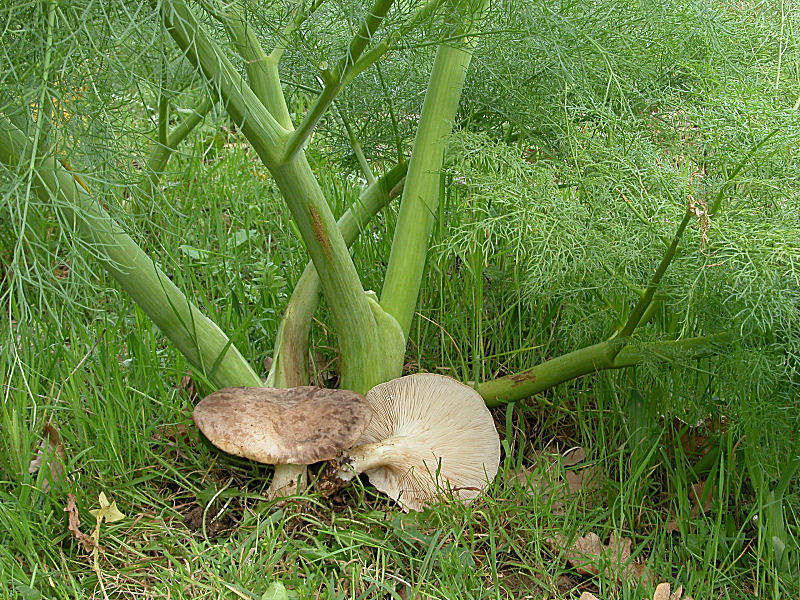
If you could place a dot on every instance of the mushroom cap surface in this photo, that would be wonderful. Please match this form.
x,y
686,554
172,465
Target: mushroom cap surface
x,y
300,425
441,436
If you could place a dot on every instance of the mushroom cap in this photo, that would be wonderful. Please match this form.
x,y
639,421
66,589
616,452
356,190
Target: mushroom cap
x,y
300,425
441,436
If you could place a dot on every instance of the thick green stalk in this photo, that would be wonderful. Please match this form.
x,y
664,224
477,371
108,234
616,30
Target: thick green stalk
x,y
195,335
263,131
363,362
612,354
421,192
289,367
262,69
355,317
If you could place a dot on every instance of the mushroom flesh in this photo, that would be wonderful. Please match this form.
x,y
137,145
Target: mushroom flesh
x,y
285,427
430,436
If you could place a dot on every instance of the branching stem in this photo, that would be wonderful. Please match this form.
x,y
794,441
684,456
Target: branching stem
x,y
289,366
646,298
195,335
612,354
338,77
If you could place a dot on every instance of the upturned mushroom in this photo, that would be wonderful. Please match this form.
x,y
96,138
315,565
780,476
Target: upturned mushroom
x,y
430,436
286,427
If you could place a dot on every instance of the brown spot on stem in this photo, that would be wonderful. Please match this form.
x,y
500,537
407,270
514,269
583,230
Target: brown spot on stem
x,y
319,232
522,378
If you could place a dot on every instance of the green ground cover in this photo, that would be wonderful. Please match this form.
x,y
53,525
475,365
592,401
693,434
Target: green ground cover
x,y
553,209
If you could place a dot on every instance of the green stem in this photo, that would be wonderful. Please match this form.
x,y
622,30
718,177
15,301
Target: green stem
x,y
163,116
641,306
612,354
195,335
262,69
335,80
46,108
420,195
157,161
355,319
297,20
263,131
356,146
352,315
387,98
289,367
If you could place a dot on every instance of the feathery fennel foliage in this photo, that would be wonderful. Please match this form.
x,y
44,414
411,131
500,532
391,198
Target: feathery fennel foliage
x,y
583,133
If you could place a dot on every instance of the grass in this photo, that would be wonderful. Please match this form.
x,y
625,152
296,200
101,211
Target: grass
x,y
607,165
196,523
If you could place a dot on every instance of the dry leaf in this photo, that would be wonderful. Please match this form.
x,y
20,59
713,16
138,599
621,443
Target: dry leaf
x,y
548,479
51,448
700,497
672,525
573,456
661,593
588,553
188,387
587,479
74,525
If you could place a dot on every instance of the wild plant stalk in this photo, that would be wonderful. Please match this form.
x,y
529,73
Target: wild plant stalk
x,y
195,335
372,335
281,152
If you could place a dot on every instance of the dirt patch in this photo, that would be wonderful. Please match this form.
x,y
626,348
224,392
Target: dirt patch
x,y
215,517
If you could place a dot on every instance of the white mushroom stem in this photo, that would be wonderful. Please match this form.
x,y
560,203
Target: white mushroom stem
x,y
287,480
371,456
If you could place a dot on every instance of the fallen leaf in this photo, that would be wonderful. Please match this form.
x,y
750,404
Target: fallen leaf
x,y
672,526
188,387
700,497
661,593
50,454
586,480
549,480
74,525
588,554
573,456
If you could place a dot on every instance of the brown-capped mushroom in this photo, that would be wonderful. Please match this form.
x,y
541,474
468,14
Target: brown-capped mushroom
x,y
285,427
430,436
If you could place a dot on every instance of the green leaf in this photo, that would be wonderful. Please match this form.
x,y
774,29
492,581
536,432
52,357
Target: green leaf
x,y
191,252
276,591
242,235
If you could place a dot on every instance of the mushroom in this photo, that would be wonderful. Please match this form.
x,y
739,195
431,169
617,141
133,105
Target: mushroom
x,y
429,435
286,427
